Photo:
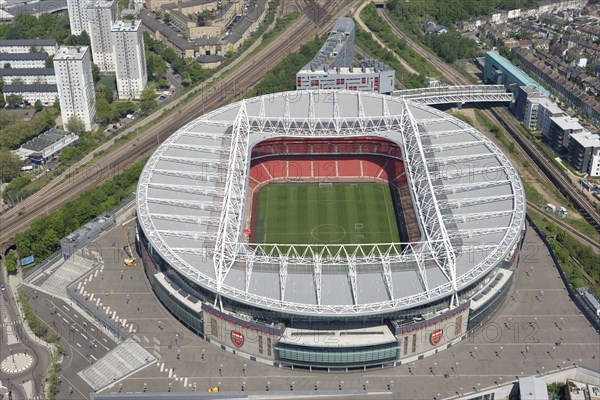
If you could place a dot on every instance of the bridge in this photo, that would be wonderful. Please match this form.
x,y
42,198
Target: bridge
x,y
38,8
457,94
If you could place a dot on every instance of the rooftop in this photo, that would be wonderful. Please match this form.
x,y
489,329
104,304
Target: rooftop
x,y
27,42
366,66
338,36
127,25
174,193
551,106
71,53
567,123
210,58
532,388
7,57
586,139
44,140
100,4
32,88
26,71
43,6
516,72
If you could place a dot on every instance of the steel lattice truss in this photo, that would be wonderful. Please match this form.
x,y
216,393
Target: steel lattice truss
x,y
439,247
457,94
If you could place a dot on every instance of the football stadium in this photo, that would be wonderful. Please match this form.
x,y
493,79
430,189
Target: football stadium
x,y
330,230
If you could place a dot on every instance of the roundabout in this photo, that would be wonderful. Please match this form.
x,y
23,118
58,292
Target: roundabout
x,y
16,363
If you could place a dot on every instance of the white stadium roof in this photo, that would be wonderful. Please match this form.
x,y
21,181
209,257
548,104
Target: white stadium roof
x,y
468,198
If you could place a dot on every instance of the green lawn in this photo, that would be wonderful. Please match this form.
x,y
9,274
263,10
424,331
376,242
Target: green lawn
x,y
338,213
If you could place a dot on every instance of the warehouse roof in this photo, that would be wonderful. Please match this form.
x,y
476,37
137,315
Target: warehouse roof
x,y
44,140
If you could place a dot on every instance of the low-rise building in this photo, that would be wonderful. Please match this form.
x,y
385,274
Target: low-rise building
x,y
584,153
46,146
191,6
48,46
500,71
23,60
46,93
559,132
546,110
28,76
371,76
86,234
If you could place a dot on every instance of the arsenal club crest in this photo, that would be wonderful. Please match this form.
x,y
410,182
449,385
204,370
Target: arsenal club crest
x,y
436,337
237,338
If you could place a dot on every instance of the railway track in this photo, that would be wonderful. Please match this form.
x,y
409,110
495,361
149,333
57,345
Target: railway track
x,y
555,177
556,220
563,184
237,83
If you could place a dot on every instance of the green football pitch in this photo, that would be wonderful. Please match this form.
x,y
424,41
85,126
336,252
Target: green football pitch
x,y
337,213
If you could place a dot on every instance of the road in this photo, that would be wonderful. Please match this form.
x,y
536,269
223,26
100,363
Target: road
x,y
527,147
26,343
248,73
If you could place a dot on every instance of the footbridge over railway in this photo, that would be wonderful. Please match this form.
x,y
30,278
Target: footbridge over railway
x,y
457,94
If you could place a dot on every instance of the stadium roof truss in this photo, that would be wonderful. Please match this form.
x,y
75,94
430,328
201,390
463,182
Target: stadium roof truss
x,y
431,192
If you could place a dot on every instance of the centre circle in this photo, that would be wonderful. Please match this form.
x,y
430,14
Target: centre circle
x,y
322,233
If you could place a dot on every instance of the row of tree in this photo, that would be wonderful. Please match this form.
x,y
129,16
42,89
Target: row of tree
x,y
449,12
42,238
282,77
15,132
49,26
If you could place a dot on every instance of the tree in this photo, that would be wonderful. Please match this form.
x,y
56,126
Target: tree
x,y
75,125
104,111
124,107
69,155
7,65
95,72
49,62
38,105
103,91
147,100
10,166
14,99
11,262
2,101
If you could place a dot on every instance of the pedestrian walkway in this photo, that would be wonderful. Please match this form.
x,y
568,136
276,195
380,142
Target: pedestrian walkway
x,y
73,268
122,361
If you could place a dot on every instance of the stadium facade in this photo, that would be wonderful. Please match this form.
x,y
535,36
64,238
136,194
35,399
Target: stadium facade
x,y
460,202
333,66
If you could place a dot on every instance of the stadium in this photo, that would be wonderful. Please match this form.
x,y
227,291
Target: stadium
x,y
330,229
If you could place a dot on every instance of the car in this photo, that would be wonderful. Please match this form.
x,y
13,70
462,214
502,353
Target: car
x,y
2,287
214,389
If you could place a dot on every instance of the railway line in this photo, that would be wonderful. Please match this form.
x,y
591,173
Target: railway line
x,y
530,149
237,83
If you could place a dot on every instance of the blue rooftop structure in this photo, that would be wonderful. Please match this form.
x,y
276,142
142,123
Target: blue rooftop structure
x,y
499,70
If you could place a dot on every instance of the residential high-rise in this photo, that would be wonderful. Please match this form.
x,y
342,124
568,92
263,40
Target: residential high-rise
x,y
77,16
101,15
73,66
130,60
